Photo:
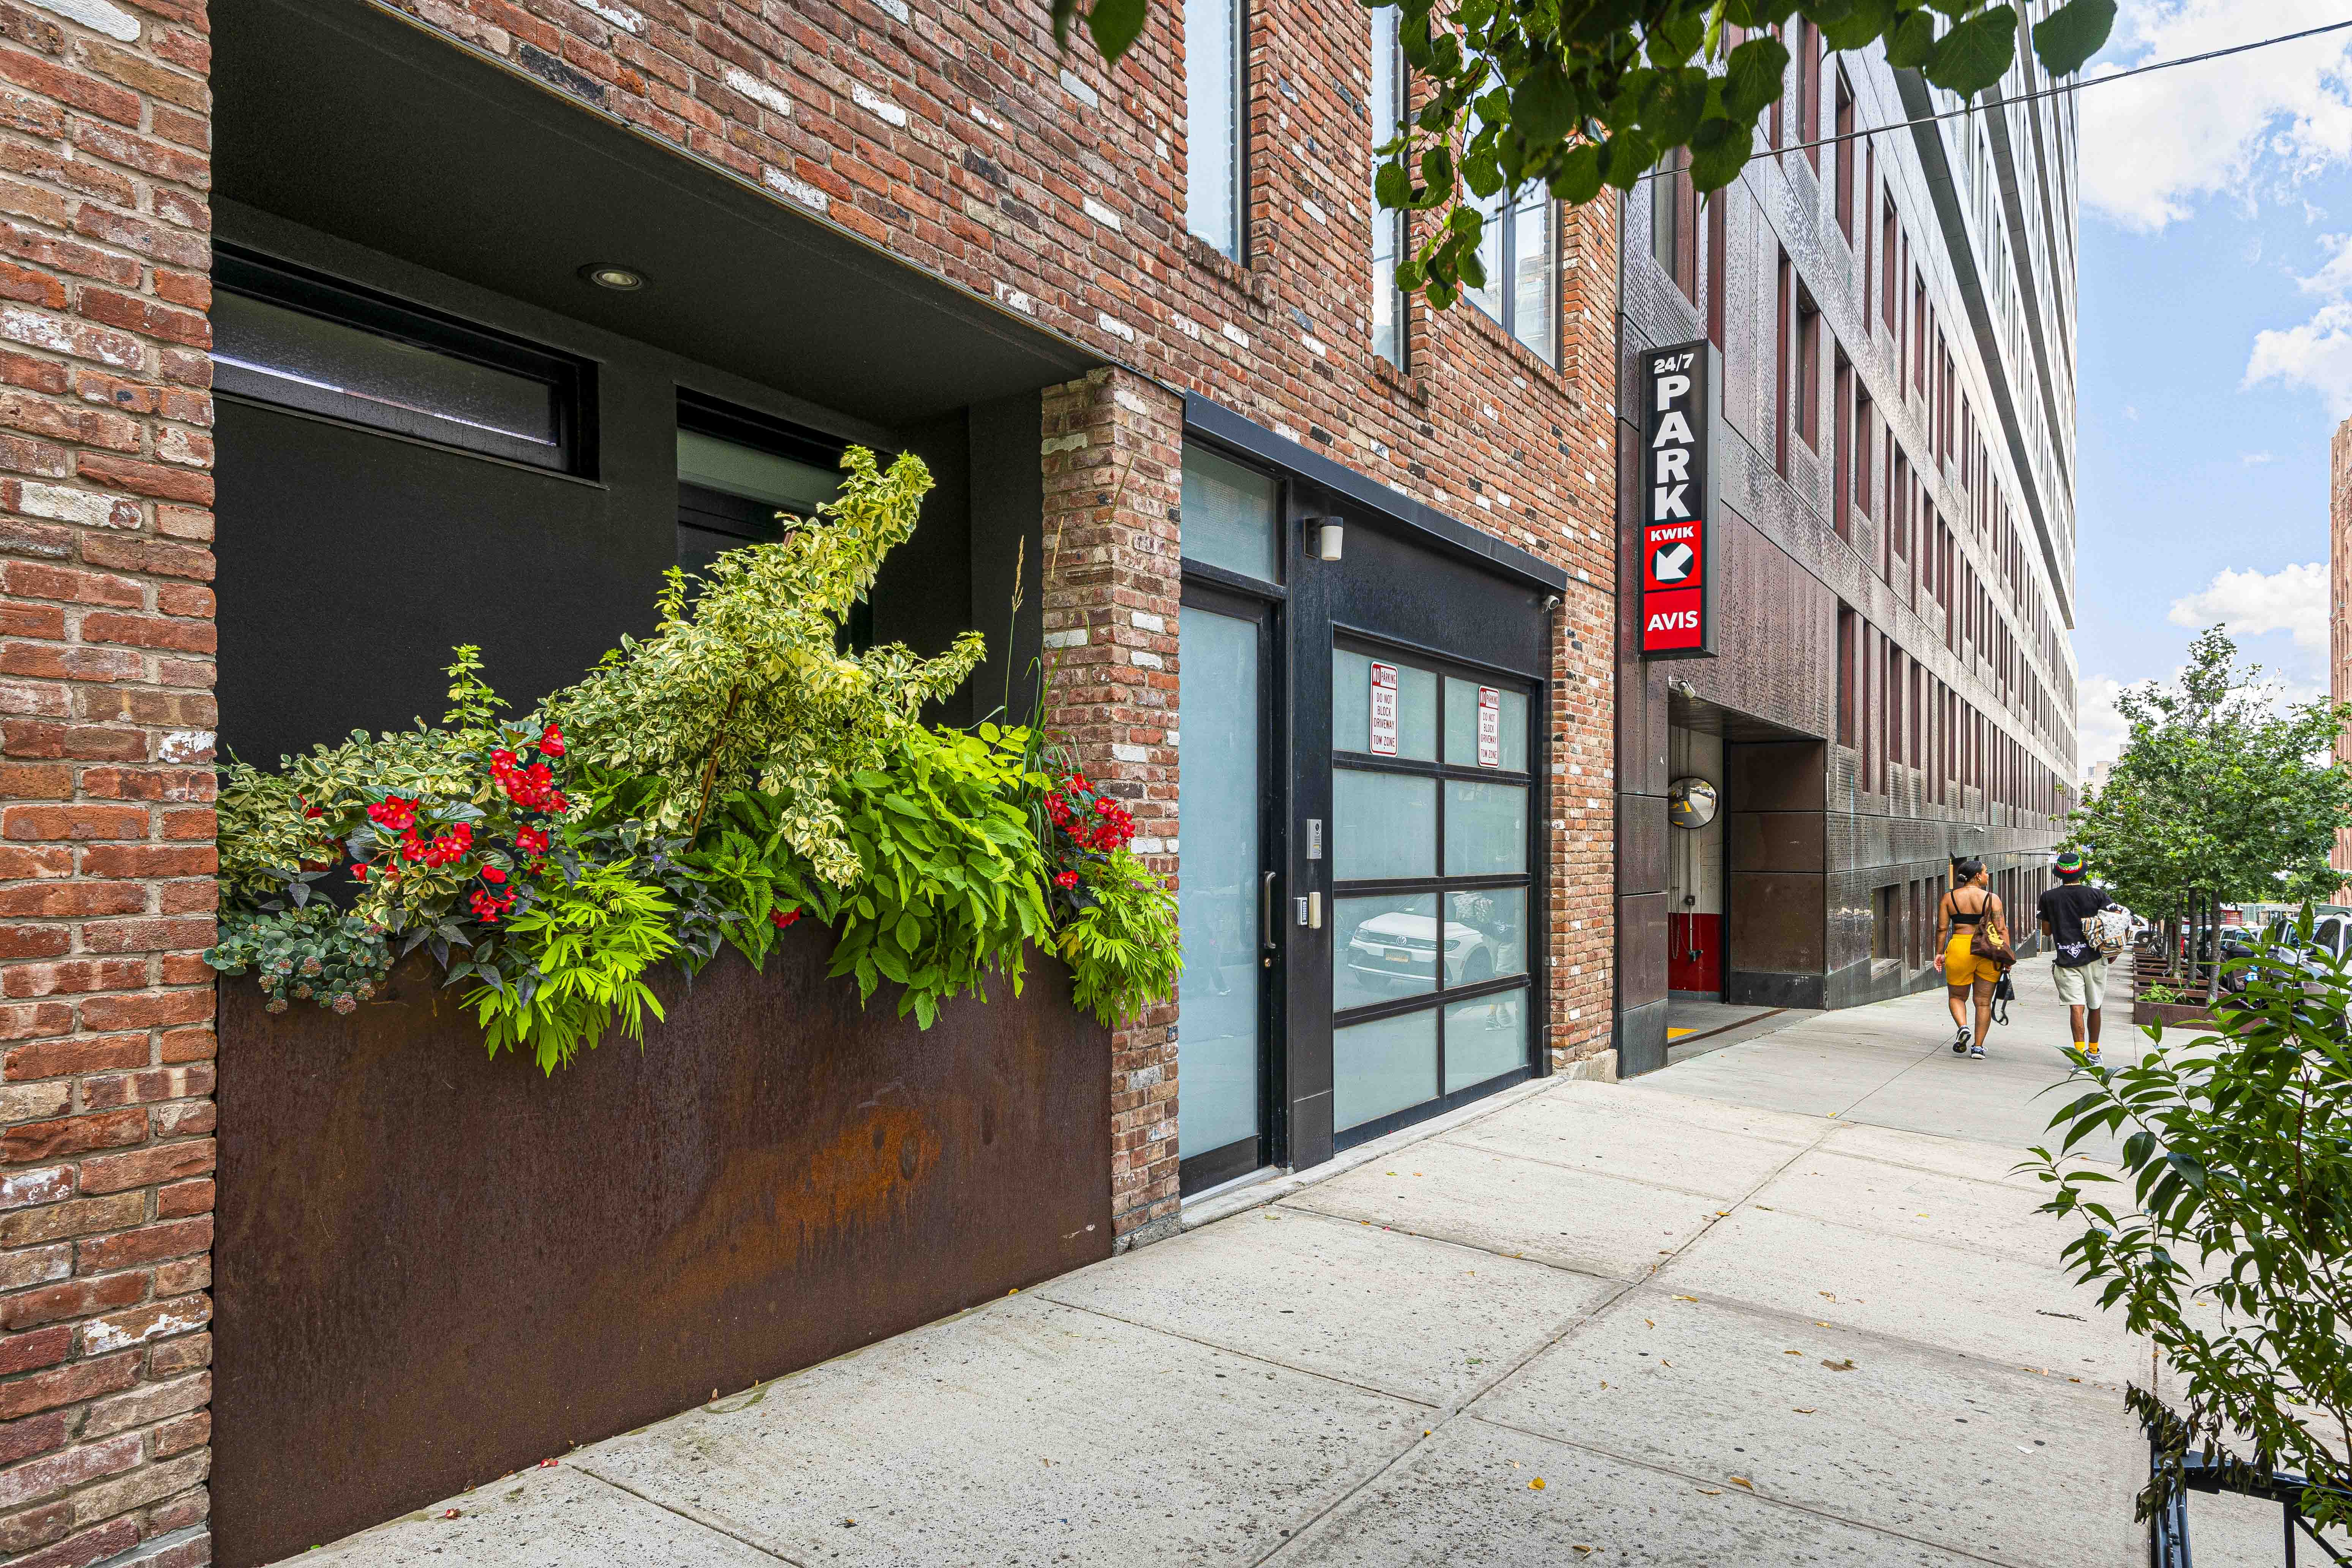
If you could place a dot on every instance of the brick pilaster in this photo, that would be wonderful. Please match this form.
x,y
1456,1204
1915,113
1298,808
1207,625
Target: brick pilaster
x,y
105,784
1113,456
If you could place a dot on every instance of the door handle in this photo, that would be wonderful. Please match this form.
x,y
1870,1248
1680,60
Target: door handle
x,y
1265,925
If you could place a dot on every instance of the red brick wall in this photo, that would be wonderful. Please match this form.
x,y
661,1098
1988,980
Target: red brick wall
x,y
1113,453
106,821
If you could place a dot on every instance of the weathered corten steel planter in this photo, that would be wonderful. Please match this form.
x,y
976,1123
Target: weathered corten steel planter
x,y
433,1268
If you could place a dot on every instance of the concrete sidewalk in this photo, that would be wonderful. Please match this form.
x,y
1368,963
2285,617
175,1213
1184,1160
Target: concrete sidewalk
x,y
1784,1303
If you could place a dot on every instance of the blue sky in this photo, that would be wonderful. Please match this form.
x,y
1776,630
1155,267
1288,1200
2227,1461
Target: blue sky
x,y
2215,343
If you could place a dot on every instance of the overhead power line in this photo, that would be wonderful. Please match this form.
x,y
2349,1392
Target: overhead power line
x,y
2075,86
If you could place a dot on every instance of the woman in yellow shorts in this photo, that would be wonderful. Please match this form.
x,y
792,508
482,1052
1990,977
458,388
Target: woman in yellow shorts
x,y
1969,904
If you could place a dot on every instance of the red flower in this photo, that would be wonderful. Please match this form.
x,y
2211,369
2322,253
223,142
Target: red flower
x,y
530,840
1065,878
359,873
780,918
550,741
492,874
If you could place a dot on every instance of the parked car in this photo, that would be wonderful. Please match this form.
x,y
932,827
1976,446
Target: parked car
x,y
1397,946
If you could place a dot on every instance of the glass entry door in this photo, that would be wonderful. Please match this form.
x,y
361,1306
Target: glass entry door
x,y
1433,893
1226,894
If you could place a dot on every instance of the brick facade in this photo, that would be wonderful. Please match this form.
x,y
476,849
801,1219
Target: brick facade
x,y
1113,452
955,136
952,135
106,720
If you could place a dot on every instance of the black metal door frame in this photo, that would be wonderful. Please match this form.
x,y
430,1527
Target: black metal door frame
x,y
1221,593
1536,934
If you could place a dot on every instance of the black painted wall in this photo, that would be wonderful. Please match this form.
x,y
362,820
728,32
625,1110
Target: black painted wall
x,y
352,561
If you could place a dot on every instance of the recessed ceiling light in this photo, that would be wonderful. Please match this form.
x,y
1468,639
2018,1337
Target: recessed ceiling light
x,y
604,275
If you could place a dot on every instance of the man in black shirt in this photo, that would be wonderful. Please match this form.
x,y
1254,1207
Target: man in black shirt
x,y
2080,968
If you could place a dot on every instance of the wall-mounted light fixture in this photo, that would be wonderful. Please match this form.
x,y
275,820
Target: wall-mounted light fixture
x,y
606,274
1326,534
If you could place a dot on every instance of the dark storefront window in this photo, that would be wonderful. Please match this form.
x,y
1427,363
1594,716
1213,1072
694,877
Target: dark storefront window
x,y
1432,886
298,339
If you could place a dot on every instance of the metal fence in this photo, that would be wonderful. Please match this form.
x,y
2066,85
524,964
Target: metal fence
x,y
2168,1538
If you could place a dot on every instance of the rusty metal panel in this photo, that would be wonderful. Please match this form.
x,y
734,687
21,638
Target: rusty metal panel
x,y
433,1268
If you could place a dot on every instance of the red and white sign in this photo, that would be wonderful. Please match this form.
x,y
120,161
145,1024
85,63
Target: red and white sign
x,y
1384,709
1490,727
1673,620
1671,555
1676,499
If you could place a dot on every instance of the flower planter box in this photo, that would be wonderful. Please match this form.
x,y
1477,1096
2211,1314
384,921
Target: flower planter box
x,y
434,1268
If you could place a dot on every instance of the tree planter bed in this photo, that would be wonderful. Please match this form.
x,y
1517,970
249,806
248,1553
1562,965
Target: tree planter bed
x,y
434,1268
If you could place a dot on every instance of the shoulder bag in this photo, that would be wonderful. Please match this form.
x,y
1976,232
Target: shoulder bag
x,y
1992,939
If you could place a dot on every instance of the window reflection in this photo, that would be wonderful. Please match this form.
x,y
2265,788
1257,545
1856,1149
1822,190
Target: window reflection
x,y
1486,1037
1485,934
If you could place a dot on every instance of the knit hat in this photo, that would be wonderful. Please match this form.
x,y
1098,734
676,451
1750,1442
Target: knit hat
x,y
2070,862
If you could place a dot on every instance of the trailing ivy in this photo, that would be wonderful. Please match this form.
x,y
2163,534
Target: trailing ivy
x,y
316,953
1120,941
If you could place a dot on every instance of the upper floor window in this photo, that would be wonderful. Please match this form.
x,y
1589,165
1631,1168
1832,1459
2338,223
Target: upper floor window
x,y
1673,222
1213,96
298,339
1520,252
1388,227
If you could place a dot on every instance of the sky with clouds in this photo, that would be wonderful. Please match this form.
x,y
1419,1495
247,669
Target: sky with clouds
x,y
2215,344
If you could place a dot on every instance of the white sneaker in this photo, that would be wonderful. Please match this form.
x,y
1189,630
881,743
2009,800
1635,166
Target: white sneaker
x,y
1976,1050
1961,1042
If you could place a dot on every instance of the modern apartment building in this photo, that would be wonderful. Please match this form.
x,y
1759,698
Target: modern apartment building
x,y
1883,310
2339,607
342,332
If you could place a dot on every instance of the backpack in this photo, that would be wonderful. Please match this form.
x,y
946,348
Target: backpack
x,y
2109,930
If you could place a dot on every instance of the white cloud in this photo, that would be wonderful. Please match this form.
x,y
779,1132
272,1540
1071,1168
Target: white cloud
x,y
2317,355
2256,459
2262,122
2100,731
2292,599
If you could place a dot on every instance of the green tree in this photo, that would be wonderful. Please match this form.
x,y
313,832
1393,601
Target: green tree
x,y
1581,96
2222,1236
2223,794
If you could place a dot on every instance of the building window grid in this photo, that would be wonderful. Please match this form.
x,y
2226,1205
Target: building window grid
x,y
1443,885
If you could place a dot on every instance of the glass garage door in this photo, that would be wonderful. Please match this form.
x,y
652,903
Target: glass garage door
x,y
1432,889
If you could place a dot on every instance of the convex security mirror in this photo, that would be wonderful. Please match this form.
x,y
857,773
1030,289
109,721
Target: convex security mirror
x,y
1691,802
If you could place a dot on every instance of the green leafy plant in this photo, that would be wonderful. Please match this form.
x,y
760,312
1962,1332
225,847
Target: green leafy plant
x,y
1579,99
1122,943
591,942
2161,995
951,883
2224,1239
315,953
742,687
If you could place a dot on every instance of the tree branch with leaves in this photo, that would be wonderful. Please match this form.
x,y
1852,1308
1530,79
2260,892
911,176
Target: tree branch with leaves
x,y
1584,96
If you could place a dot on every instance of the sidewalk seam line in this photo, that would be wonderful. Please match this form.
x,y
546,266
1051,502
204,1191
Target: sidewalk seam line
x,y
699,1523
1767,1498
